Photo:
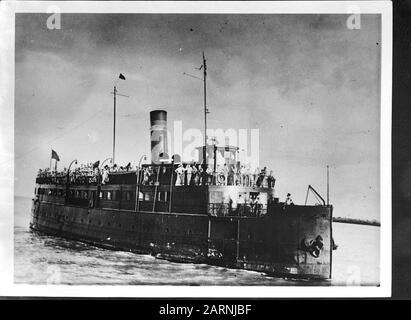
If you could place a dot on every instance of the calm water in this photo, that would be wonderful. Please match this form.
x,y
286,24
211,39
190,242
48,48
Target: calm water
x,y
41,259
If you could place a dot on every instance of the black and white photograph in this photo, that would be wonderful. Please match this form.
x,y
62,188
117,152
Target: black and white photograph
x,y
198,148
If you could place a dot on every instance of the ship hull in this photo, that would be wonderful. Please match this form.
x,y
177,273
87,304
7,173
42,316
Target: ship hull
x,y
281,243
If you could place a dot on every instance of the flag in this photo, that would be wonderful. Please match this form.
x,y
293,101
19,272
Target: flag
x,y
54,155
96,164
122,77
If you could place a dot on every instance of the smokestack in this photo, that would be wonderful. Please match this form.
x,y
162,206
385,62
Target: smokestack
x,y
158,134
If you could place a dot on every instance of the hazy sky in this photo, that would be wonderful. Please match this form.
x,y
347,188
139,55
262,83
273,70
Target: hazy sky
x,y
307,82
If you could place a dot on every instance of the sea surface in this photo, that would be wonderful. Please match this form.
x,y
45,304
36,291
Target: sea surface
x,y
42,259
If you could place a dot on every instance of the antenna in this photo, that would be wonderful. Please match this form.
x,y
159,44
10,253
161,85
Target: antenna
x,y
115,93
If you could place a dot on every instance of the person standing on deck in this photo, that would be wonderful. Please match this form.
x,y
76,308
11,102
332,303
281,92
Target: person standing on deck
x,y
253,203
233,175
242,175
289,201
209,175
180,175
105,175
240,203
258,206
225,173
230,205
248,175
201,178
271,180
263,178
255,176
189,172
195,174
145,176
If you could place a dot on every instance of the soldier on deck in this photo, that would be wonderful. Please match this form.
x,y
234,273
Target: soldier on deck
x,y
240,205
230,205
230,175
105,174
145,176
253,203
195,174
255,176
263,178
152,175
180,175
201,178
189,172
242,175
209,175
225,173
258,206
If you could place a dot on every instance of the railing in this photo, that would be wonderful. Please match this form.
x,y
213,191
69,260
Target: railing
x,y
74,180
239,210
51,180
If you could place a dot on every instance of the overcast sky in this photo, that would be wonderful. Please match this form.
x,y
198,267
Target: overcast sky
x,y
307,82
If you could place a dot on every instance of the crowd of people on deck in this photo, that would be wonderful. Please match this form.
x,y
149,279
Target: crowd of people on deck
x,y
84,173
184,175
224,175
195,175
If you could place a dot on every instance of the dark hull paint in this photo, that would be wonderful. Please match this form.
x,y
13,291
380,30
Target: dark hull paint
x,y
270,244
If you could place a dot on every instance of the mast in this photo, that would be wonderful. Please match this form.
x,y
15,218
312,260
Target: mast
x,y
204,79
114,125
115,93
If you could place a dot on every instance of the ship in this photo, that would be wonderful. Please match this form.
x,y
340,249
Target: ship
x,y
197,217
